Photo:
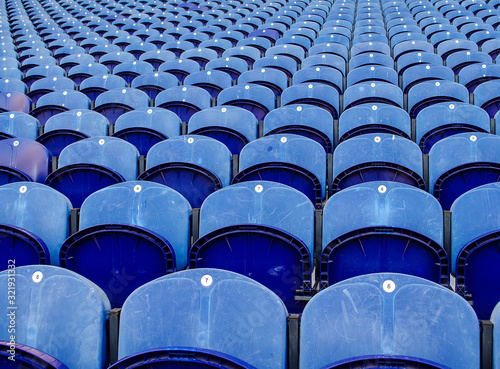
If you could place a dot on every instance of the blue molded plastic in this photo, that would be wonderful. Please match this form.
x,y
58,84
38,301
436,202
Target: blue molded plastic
x,y
145,127
216,313
374,118
373,92
442,120
486,96
304,120
475,161
433,92
59,313
474,247
377,157
389,315
266,235
290,159
318,94
34,218
383,227
231,125
91,164
184,100
22,159
257,99
16,124
27,358
118,101
59,101
14,101
68,127
97,84
495,318
195,166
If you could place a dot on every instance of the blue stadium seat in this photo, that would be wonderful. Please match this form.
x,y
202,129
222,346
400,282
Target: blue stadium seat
x,y
91,164
462,59
293,160
182,302
112,59
96,85
474,75
129,70
294,52
195,166
16,124
70,126
231,125
429,93
213,81
441,120
102,48
184,100
239,223
72,60
492,48
474,227
49,84
28,235
375,59
177,47
257,99
130,233
13,85
475,161
413,58
486,97
274,79
369,73
400,230
374,118
137,49
389,320
74,337
450,47
370,47
145,127
304,120
422,73
153,83
14,102
200,55
81,72
180,68
23,159
317,94
373,92
219,45
118,101
411,46
377,157
327,60
157,57
247,53
279,62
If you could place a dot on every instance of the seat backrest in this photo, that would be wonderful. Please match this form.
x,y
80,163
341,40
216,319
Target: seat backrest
x,y
58,312
110,152
203,151
206,309
389,315
26,156
149,205
38,209
262,203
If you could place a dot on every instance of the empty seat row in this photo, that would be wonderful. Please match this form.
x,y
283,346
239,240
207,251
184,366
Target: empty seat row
x,y
205,316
